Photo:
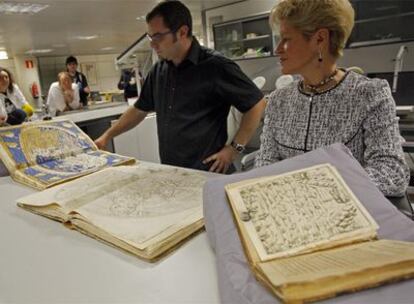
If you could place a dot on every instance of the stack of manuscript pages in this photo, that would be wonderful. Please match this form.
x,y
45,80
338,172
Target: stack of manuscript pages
x,y
46,153
146,210
307,237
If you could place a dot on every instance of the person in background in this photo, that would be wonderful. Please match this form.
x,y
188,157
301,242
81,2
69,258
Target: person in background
x,y
63,95
329,105
79,79
191,90
14,102
3,114
128,83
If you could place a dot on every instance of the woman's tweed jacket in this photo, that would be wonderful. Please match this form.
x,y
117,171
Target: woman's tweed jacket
x,y
359,112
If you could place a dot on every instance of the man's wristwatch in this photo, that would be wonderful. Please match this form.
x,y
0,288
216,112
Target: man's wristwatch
x,y
238,147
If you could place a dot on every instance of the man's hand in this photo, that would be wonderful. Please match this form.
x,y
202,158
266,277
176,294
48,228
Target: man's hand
x,y
222,159
87,90
102,142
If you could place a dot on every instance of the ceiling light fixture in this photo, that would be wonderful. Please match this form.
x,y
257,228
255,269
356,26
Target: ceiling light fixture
x,y
3,55
59,45
141,18
108,48
39,51
87,37
21,8
386,8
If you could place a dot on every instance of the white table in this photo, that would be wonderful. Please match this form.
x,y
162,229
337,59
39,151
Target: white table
x,y
96,112
41,261
96,119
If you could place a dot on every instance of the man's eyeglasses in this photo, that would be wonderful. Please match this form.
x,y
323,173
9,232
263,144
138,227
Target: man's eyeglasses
x,y
157,37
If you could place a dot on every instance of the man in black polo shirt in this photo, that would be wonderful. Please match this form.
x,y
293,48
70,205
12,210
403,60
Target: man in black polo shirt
x,y
191,89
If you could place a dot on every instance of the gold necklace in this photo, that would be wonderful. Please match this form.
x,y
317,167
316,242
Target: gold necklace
x,y
315,88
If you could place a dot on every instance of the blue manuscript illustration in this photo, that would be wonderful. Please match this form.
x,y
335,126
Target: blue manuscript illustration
x,y
43,154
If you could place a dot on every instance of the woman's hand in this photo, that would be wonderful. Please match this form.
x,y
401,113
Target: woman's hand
x,y
68,95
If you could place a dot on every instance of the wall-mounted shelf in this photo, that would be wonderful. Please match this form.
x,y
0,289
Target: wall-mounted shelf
x,y
244,38
382,22
256,38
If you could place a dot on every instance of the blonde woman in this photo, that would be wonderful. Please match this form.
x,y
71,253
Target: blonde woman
x,y
329,105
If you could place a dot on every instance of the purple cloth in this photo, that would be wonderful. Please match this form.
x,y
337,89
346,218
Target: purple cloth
x,y
237,283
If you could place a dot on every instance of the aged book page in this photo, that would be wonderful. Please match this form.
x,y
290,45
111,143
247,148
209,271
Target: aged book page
x,y
336,262
300,211
326,273
139,205
43,154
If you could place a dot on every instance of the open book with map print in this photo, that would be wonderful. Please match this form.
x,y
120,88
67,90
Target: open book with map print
x,y
146,209
46,153
307,237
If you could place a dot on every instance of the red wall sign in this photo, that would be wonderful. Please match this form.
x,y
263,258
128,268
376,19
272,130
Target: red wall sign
x,y
29,64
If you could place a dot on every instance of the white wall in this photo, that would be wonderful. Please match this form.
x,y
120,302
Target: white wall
x,y
106,73
8,64
25,77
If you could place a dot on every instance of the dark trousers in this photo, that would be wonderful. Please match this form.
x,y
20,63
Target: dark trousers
x,y
16,117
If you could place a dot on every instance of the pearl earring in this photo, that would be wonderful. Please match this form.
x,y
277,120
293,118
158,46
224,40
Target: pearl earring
x,y
320,56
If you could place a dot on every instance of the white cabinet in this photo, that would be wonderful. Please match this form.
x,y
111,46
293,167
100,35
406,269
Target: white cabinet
x,y
140,142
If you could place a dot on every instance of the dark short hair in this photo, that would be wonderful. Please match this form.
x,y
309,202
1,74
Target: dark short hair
x,y
11,79
174,14
71,59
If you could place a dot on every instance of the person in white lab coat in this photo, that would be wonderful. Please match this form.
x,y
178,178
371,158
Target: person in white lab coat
x,y
14,103
63,95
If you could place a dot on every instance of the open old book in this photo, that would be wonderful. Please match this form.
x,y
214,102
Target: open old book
x,y
46,153
307,237
146,209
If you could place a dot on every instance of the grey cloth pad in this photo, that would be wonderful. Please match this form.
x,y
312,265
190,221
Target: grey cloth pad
x,y
238,285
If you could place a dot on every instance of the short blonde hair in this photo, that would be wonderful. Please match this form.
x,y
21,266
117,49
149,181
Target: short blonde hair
x,y
308,16
63,75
